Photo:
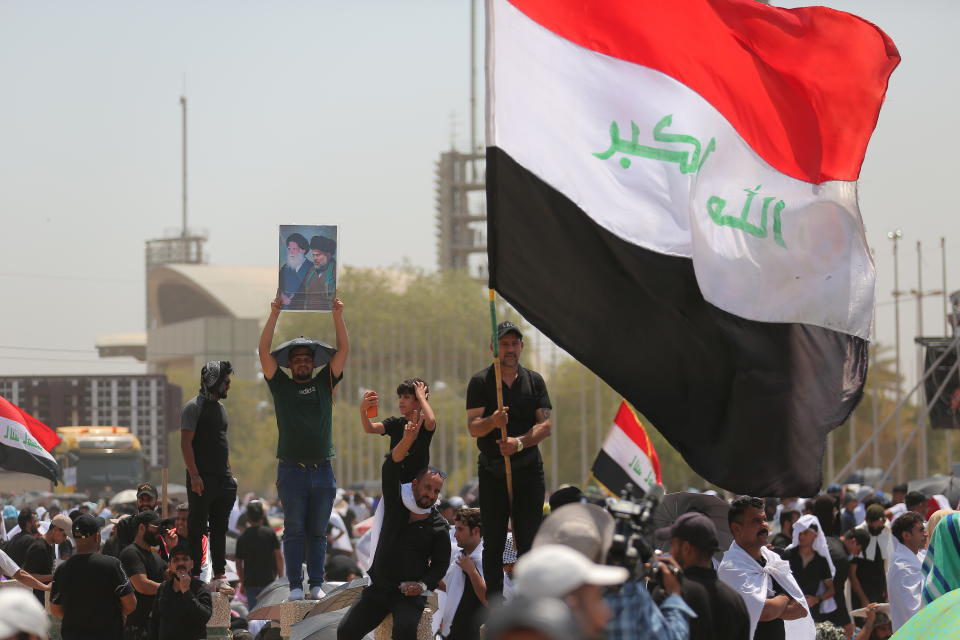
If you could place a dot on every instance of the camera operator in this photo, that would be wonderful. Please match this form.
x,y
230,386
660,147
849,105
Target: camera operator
x,y
590,530
720,610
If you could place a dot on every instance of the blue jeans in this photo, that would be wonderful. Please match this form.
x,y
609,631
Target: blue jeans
x,y
253,593
306,492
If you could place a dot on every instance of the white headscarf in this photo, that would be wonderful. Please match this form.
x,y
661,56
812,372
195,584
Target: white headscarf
x,y
820,547
367,545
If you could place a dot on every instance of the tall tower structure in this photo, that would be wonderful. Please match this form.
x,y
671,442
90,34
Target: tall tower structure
x,y
461,213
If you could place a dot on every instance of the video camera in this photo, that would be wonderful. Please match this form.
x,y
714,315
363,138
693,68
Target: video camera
x,y
634,530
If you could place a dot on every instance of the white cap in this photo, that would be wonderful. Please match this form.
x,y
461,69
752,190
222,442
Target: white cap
x,y
554,570
20,611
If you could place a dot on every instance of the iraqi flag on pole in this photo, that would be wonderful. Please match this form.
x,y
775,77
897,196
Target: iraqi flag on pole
x,y
25,443
627,455
672,199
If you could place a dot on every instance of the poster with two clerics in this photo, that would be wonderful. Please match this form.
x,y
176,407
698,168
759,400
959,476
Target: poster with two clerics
x,y
308,267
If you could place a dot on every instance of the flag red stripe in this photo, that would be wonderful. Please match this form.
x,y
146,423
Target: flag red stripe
x,y
43,434
803,87
628,422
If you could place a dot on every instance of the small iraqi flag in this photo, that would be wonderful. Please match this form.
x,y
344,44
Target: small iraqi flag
x,y
627,455
672,199
25,443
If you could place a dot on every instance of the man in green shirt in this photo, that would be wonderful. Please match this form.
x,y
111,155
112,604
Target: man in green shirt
x,y
305,481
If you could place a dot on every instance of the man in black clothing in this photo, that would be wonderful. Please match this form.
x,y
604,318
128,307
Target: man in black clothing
x,y
211,487
147,496
90,591
182,605
693,541
413,552
17,546
40,555
259,559
146,571
526,416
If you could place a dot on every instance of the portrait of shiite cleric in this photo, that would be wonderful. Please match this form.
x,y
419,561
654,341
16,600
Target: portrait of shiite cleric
x,y
308,267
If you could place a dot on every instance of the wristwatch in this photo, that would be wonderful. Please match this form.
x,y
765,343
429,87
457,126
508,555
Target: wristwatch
x,y
423,587
519,445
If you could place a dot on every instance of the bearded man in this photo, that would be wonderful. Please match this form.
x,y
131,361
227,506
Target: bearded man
x,y
295,269
413,550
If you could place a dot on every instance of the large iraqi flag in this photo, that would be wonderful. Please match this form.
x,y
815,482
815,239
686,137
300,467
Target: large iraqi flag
x,y
25,443
672,198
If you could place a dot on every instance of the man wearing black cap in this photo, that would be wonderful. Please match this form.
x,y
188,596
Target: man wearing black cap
x,y
305,481
211,487
295,269
146,569
182,605
90,591
147,497
720,610
320,283
526,415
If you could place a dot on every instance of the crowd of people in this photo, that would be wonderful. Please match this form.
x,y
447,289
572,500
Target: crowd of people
x,y
509,557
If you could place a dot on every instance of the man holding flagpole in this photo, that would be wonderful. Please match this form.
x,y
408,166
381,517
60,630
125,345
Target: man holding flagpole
x,y
525,413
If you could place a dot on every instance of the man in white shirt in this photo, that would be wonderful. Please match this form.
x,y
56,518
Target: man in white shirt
x,y
905,575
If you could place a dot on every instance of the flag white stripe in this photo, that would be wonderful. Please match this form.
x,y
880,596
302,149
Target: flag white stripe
x,y
14,434
551,105
630,458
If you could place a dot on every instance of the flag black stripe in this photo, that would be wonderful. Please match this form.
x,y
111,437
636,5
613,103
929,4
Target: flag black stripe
x,y
610,474
748,404
14,459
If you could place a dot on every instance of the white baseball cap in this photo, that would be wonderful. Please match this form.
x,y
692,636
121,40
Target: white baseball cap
x,y
554,570
21,612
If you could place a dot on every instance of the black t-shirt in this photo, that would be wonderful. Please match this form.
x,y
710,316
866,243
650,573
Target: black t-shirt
x,y
731,621
256,546
39,561
207,419
136,559
771,629
809,577
419,455
527,394
841,565
89,586
469,616
695,595
17,547
872,577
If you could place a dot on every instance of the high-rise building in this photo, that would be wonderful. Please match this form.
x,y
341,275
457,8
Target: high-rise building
x,y
461,213
147,404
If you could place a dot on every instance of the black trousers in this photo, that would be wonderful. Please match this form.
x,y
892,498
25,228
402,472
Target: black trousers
x,y
209,514
528,494
374,605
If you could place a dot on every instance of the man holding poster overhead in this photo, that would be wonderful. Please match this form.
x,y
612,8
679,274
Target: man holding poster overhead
x,y
304,406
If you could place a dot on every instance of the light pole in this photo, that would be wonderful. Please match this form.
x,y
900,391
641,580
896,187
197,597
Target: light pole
x,y
919,294
894,237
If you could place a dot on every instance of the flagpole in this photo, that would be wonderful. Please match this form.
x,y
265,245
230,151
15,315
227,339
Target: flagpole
x,y
499,380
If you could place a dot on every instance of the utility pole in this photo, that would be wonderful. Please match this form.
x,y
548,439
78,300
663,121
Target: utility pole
x,y
894,237
923,455
946,332
473,88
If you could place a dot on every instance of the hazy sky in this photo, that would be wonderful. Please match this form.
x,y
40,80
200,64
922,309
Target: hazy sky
x,y
328,113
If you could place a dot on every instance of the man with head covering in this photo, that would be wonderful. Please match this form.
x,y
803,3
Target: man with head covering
x,y
557,571
941,566
295,269
211,487
41,555
319,285
905,574
868,580
812,566
693,541
21,617
589,529
305,481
